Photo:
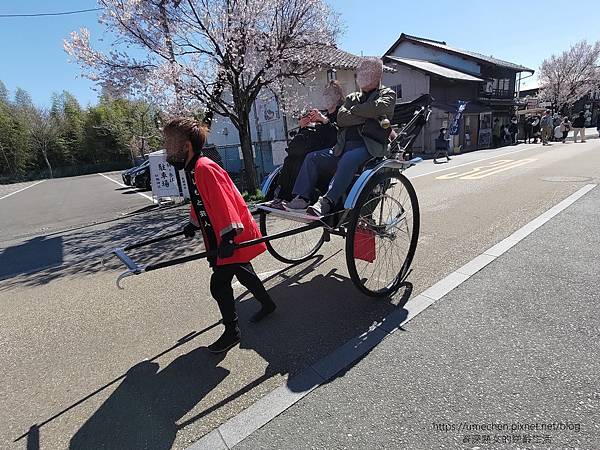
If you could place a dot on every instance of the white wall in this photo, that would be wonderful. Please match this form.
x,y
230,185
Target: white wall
x,y
415,51
414,83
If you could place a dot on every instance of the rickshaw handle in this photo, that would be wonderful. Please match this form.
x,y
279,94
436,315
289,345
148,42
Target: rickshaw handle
x,y
250,243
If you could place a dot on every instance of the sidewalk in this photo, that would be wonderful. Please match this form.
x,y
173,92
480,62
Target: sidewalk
x,y
590,133
508,359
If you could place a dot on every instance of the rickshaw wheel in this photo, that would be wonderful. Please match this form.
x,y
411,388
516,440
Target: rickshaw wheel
x,y
382,234
292,249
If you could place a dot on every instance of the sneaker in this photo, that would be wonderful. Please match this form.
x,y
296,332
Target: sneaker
x,y
229,339
276,203
266,309
321,208
298,203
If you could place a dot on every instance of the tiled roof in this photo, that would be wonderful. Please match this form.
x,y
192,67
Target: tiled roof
x,y
435,69
443,46
335,58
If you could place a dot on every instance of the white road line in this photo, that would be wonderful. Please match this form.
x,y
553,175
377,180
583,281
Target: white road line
x,y
466,164
239,427
21,190
122,185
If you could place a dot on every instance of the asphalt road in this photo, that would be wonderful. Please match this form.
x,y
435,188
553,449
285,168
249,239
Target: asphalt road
x,y
74,369
507,360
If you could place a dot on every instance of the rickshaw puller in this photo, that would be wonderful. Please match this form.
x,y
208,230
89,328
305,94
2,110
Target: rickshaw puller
x,y
221,214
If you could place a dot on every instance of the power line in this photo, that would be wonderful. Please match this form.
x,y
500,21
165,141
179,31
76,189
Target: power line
x,y
64,13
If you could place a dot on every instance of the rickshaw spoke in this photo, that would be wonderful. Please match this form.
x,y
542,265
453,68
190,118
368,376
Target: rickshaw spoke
x,y
389,213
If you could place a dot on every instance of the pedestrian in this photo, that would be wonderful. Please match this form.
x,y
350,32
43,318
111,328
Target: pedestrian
x,y
556,120
441,146
579,127
220,213
598,124
497,132
547,126
565,127
506,138
513,129
528,128
535,128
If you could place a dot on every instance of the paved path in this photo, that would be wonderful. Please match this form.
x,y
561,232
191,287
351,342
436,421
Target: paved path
x,y
74,365
509,359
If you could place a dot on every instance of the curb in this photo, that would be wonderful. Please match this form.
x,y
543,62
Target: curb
x,y
239,427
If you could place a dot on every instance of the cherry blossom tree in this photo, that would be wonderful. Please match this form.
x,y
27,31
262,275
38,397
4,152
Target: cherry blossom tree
x,y
566,78
219,55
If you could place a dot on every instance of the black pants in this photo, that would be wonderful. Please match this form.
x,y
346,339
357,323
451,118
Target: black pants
x,y
287,176
222,292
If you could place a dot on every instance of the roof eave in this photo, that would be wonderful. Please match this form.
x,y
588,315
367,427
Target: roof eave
x,y
404,37
397,61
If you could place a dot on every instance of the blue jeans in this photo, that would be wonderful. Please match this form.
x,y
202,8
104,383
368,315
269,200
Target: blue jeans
x,y
323,162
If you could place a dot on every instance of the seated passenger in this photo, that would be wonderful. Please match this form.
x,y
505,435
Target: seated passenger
x,y
359,138
317,131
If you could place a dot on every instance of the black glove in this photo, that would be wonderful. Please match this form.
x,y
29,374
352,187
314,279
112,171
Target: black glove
x,y
227,245
189,230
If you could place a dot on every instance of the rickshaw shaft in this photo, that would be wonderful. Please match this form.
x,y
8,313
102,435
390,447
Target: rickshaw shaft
x,y
202,255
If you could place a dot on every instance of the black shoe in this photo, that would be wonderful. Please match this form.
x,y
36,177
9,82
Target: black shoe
x,y
228,339
266,309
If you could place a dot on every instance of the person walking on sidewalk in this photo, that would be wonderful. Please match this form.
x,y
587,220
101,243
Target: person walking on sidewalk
x,y
565,127
547,125
579,127
441,146
513,129
528,128
220,213
497,132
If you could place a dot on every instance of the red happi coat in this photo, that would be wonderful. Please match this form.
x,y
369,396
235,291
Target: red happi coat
x,y
226,211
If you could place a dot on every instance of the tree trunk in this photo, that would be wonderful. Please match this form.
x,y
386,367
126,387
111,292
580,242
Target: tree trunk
x,y
45,153
251,183
7,160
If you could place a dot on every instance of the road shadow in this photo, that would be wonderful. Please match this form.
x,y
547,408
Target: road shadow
x,y
30,256
317,313
145,407
79,252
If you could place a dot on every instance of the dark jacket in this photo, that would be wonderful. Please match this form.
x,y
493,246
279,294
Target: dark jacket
x,y
356,111
441,143
579,122
309,139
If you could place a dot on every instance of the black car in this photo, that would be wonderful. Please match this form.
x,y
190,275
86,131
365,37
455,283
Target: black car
x,y
128,174
141,178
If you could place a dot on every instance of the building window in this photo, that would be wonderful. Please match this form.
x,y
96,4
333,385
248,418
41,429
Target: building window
x,y
496,87
331,75
502,84
398,90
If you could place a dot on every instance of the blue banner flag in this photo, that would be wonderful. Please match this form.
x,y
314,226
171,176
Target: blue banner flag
x,y
453,130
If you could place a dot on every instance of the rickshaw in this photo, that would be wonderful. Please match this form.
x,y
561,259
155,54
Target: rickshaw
x,y
379,218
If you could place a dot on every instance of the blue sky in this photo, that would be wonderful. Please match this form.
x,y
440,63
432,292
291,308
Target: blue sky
x,y
521,32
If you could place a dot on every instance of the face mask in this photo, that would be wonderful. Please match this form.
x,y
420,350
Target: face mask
x,y
178,159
